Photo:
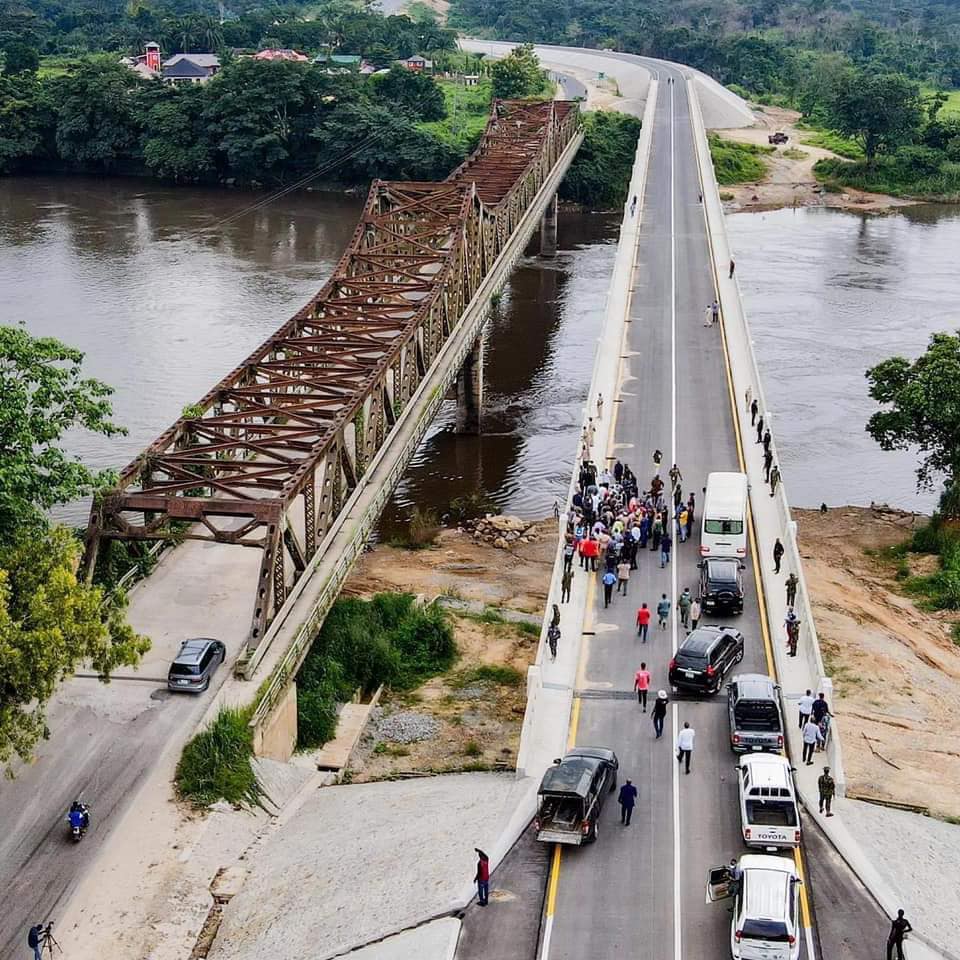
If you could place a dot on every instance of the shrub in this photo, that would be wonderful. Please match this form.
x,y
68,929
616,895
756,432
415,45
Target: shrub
x,y
737,162
472,749
502,675
422,530
215,764
471,506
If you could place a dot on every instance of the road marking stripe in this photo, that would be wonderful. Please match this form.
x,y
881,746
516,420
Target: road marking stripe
x,y
751,530
675,780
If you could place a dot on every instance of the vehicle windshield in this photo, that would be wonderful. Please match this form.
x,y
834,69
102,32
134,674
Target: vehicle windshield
x,y
757,715
185,669
771,930
691,658
726,527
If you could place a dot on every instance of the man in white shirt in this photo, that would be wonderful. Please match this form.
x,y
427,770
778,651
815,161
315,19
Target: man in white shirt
x,y
805,704
811,737
685,744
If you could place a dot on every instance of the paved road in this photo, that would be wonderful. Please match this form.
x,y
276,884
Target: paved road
x,y
642,887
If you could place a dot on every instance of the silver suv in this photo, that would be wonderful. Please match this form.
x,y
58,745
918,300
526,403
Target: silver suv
x,y
195,664
753,707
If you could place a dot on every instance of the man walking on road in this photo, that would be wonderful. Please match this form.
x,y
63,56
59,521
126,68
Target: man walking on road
x,y
685,744
733,267
767,440
774,480
760,429
566,581
643,622
777,555
820,708
666,542
792,582
811,737
627,798
609,579
754,410
641,683
826,788
623,576
483,877
708,316
714,312
767,464
663,611
898,929
694,614
683,605
659,712
805,706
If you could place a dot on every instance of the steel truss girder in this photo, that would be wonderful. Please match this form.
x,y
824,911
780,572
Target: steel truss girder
x,y
303,416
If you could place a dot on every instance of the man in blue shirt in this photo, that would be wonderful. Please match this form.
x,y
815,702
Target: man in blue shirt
x,y
609,581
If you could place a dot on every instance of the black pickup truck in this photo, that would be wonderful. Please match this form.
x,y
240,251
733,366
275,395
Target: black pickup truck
x,y
571,795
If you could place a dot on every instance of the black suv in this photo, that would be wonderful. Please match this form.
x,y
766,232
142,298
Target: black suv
x,y
705,657
753,707
721,585
195,664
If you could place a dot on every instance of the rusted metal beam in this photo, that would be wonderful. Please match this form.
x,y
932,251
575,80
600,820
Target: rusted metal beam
x,y
306,412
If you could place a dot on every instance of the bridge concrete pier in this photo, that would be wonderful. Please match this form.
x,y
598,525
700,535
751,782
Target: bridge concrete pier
x,y
548,230
469,389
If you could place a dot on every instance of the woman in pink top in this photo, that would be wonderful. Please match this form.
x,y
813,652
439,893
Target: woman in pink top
x,y
641,683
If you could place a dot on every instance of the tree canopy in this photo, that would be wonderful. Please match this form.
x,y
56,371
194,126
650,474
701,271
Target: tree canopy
x,y
49,622
921,401
518,74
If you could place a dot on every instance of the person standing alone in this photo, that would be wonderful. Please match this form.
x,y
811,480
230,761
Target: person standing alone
x,y
792,582
627,798
685,744
695,614
826,789
641,683
566,582
643,622
898,930
777,555
609,580
659,712
483,877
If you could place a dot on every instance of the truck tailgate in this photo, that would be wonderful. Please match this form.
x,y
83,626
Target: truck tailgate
x,y
548,835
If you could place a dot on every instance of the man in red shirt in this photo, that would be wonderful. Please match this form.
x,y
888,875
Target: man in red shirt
x,y
641,683
483,877
643,621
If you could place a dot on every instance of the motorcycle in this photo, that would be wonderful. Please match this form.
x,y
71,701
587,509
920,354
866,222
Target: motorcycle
x,y
79,820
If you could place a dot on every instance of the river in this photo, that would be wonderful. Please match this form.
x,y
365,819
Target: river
x,y
166,289
828,294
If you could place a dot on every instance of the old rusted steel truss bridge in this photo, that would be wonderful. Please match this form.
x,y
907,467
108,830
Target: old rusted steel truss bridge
x,y
270,457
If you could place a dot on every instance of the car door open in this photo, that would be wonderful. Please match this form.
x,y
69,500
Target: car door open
x,y
718,884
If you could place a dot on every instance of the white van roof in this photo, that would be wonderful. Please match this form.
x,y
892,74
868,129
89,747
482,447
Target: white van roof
x,y
767,770
726,496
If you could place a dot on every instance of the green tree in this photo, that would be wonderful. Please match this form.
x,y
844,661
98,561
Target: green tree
x,y
518,74
600,173
49,625
44,395
177,143
414,92
881,111
20,57
922,408
26,120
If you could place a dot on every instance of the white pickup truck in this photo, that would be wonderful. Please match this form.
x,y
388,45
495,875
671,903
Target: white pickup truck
x,y
769,816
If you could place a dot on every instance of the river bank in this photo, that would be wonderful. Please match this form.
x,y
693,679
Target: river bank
x,y
789,180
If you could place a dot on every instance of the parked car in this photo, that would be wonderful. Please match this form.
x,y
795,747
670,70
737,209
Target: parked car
x,y
766,909
571,795
721,585
769,815
778,137
705,657
195,664
753,709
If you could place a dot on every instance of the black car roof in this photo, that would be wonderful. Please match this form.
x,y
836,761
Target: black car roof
x,y
575,772
701,640
754,686
723,568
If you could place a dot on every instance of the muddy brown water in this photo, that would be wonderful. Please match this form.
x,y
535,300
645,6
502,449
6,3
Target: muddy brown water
x,y
166,289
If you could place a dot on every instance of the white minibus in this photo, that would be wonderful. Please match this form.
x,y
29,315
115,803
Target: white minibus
x,y
723,531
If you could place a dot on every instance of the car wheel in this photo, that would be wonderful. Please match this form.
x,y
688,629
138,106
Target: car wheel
x,y
594,833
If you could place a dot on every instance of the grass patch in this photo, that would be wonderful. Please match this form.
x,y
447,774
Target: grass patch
x,y
387,640
835,143
215,764
471,506
531,629
422,531
955,634
502,675
915,172
737,162
792,153
725,195
472,749
939,590
952,107
468,109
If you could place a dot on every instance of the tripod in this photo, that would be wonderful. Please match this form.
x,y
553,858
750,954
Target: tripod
x,y
48,941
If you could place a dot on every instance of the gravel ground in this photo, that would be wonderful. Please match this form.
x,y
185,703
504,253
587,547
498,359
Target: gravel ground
x,y
356,863
408,727
923,855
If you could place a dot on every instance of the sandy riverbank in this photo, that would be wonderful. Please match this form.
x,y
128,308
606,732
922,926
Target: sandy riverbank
x,y
789,181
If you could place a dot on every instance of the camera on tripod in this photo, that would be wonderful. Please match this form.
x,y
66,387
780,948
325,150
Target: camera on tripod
x,y
41,939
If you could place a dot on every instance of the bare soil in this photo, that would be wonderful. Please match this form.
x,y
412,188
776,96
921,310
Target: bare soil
x,y
895,667
479,721
789,181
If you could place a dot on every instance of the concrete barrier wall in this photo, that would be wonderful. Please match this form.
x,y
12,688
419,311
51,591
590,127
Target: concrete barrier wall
x,y
746,376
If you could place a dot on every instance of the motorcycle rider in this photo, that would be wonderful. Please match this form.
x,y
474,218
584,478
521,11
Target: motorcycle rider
x,y
79,816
